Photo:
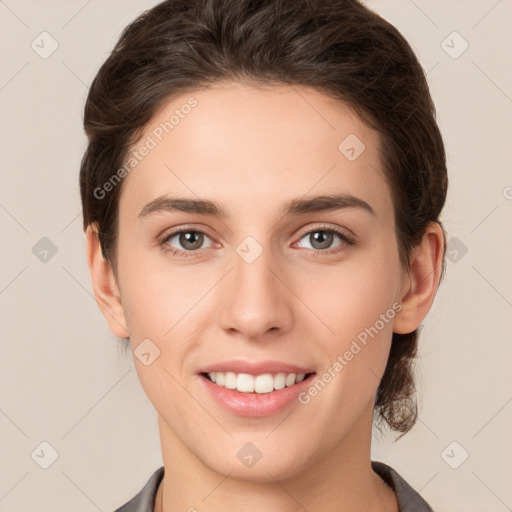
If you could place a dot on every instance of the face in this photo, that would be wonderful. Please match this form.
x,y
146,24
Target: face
x,y
261,279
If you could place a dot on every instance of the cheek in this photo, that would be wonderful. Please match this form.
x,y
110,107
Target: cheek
x,y
165,305
359,305
355,295
155,296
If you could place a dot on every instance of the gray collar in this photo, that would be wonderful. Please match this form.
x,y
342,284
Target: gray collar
x,y
408,499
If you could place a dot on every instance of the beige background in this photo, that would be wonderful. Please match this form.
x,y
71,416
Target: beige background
x,y
63,379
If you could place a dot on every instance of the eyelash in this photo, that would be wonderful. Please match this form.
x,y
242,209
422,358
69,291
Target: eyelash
x,y
316,252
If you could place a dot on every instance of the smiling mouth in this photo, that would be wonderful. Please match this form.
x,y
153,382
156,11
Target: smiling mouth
x,y
256,384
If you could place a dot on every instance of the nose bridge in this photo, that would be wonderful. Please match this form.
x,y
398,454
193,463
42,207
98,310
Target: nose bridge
x,y
256,300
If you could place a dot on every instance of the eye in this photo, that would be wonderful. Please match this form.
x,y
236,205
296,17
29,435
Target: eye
x,y
321,239
187,242
190,240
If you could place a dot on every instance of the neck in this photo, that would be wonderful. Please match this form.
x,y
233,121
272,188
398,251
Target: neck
x,y
340,480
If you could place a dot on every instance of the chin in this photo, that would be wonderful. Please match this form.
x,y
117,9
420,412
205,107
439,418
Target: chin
x,y
262,465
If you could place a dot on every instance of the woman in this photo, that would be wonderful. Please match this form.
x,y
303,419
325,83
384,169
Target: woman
x,y
261,196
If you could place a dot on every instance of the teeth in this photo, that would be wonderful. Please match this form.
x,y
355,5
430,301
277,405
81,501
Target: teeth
x,y
230,380
247,383
263,383
290,379
280,381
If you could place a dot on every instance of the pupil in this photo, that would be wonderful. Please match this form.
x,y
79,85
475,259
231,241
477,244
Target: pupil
x,y
187,239
323,238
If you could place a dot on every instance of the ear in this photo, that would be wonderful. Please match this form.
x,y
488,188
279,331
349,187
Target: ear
x,y
422,280
104,285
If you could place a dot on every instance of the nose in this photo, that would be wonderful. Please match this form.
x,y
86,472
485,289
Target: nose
x,y
256,298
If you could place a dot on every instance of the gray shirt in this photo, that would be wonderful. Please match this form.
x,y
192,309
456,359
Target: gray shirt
x,y
408,499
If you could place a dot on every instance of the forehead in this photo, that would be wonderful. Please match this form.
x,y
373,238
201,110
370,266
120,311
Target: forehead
x,y
244,146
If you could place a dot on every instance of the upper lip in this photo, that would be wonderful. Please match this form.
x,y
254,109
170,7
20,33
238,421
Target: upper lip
x,y
254,367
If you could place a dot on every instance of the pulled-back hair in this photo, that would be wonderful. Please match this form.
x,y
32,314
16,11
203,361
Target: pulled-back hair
x,y
339,47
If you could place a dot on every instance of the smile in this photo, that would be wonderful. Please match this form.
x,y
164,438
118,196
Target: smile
x,y
243,394
246,383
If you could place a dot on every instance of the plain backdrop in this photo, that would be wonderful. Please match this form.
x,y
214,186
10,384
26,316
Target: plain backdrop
x,y
64,381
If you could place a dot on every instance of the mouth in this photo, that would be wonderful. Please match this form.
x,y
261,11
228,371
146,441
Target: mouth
x,y
256,384
255,388
258,395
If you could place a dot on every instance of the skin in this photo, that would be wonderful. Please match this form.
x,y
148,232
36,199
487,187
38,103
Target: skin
x,y
252,150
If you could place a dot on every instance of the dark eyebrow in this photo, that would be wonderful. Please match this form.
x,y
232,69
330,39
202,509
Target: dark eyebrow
x,y
187,205
294,207
325,203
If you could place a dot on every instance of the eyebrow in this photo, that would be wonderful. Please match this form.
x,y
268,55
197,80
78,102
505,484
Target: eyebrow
x,y
328,202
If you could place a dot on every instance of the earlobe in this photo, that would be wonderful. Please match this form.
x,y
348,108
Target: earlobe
x,y
423,278
104,285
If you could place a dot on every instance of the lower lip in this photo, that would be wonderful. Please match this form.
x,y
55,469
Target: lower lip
x,y
256,404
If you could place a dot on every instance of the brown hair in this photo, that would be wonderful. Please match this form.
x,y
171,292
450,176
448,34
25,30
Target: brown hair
x,y
338,47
